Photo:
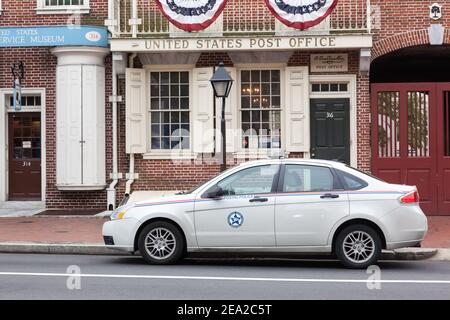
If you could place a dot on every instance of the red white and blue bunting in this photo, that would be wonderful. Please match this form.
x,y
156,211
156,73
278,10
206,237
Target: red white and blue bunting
x,y
301,14
191,15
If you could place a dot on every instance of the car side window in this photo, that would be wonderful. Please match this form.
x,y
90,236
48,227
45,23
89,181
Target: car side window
x,y
248,181
350,181
303,178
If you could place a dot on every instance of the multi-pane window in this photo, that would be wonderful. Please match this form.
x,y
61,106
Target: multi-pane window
x,y
329,87
54,3
27,137
27,101
261,109
169,110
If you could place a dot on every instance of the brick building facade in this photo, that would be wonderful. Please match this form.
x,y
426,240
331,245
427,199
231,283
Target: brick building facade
x,y
145,47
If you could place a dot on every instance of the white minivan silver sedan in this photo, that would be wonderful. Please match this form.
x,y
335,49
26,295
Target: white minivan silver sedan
x,y
275,206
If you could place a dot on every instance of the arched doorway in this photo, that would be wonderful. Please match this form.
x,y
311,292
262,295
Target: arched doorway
x,y
410,93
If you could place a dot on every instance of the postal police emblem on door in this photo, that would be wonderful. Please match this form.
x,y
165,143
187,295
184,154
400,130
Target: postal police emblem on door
x,y
235,219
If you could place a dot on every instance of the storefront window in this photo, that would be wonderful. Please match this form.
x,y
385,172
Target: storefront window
x,y
169,110
261,109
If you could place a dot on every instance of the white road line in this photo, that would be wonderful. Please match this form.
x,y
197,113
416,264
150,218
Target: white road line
x,y
124,276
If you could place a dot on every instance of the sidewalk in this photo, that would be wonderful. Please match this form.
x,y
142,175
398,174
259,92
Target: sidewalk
x,y
87,231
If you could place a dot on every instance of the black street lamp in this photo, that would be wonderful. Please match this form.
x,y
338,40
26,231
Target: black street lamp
x,y
222,83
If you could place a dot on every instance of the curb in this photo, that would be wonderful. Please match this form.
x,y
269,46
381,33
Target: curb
x,y
60,248
410,254
99,249
442,255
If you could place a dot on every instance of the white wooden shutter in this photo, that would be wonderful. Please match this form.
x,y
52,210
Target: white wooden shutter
x,y
68,125
297,109
136,109
203,111
231,116
94,159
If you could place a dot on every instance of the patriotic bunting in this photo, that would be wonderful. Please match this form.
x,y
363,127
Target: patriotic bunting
x,y
301,14
191,15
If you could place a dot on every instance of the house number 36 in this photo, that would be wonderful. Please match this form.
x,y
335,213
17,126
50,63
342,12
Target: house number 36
x,y
330,115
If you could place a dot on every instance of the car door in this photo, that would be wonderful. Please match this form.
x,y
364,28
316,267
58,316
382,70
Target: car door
x,y
309,203
244,215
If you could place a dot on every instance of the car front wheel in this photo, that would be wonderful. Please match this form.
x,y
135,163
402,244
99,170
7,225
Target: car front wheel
x,y
358,246
161,243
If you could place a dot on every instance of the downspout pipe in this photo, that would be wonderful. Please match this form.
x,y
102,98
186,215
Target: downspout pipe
x,y
131,173
111,191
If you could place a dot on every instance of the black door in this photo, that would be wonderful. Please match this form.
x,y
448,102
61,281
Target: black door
x,y
330,129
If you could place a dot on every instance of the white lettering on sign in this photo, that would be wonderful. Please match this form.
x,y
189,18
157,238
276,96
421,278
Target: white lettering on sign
x,y
240,43
329,62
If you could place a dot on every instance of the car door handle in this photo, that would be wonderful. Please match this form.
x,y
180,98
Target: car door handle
x,y
329,196
258,199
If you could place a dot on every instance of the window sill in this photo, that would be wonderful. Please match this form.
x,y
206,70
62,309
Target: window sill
x,y
258,153
61,187
187,155
64,10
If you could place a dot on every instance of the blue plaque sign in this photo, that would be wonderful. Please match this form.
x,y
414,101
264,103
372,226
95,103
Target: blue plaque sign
x,y
53,36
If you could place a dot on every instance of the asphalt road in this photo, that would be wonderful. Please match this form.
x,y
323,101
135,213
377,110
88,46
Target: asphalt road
x,y
29,276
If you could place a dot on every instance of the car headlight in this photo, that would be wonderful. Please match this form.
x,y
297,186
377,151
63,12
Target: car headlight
x,y
120,212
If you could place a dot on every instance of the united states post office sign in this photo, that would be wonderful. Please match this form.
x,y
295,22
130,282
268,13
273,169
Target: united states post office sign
x,y
53,36
329,62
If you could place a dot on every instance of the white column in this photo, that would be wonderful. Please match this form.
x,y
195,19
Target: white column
x,y
80,118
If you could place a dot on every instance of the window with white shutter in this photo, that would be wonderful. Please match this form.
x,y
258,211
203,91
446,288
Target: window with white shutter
x,y
80,127
297,109
136,110
203,111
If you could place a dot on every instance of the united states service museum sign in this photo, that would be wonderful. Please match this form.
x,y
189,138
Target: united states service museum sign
x,y
242,43
53,36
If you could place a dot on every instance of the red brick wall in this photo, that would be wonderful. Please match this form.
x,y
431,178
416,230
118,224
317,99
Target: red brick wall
x,y
404,23
40,72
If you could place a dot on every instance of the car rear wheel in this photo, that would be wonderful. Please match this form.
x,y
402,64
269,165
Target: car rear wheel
x,y
161,243
358,246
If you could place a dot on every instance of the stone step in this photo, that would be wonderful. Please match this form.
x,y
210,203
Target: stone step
x,y
22,205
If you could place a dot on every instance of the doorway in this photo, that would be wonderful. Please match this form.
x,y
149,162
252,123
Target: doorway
x,y
330,129
411,139
24,154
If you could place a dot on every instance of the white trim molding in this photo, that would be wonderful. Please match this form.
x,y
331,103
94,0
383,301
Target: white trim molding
x,y
42,8
4,138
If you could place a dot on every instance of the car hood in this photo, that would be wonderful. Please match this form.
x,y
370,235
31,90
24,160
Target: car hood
x,y
175,198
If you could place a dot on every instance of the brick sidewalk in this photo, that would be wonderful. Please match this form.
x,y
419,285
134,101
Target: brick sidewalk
x,y
89,230
52,230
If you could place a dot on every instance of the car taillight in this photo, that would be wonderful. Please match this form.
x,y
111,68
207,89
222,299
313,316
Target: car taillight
x,y
411,197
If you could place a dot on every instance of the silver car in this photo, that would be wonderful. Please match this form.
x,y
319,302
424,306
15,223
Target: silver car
x,y
275,206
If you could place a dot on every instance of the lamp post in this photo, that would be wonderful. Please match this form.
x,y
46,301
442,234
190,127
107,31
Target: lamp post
x,y
222,83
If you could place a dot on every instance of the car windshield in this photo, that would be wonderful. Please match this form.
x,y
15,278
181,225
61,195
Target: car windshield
x,y
203,183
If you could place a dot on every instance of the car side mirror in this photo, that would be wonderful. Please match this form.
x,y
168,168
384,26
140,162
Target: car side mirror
x,y
214,192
